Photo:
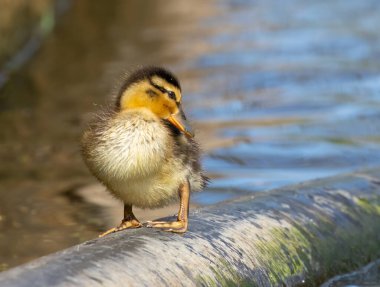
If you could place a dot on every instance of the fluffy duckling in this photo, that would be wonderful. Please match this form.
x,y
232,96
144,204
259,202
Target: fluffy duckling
x,y
142,151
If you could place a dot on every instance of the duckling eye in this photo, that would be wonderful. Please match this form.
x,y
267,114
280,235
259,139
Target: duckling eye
x,y
171,95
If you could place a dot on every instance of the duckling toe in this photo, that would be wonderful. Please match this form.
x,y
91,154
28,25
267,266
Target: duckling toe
x,y
125,224
179,226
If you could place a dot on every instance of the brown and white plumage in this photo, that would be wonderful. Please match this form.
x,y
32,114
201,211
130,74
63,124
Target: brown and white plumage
x,y
141,150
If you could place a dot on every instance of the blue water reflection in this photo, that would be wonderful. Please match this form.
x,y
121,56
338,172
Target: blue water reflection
x,y
298,81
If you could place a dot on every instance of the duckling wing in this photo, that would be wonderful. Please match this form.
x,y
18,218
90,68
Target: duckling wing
x,y
187,151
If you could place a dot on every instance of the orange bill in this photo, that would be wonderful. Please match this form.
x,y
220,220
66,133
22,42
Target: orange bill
x,y
177,123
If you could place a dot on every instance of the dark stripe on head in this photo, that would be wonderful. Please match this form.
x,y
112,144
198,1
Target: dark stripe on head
x,y
151,93
147,73
161,89
171,94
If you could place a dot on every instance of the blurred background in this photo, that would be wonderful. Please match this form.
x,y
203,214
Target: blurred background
x,y
278,93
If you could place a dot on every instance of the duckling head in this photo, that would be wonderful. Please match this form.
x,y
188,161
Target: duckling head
x,y
157,90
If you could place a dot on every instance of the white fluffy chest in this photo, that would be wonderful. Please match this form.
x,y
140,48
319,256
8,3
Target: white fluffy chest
x,y
133,146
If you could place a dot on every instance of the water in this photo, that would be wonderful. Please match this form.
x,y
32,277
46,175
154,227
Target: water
x,y
278,94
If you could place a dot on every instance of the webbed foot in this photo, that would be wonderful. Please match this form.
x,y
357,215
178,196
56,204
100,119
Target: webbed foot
x,y
129,221
170,226
179,226
125,224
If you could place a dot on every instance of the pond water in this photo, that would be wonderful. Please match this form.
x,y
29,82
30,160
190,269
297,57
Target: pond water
x,y
278,94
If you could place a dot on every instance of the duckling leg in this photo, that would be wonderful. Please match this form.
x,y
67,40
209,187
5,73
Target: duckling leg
x,y
179,226
129,221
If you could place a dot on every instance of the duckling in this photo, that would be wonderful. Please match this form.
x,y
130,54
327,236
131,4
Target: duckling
x,y
143,151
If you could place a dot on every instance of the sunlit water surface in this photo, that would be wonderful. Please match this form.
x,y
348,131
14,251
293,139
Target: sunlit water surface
x,y
278,94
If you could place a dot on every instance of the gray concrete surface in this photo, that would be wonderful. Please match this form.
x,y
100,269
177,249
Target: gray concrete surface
x,y
303,234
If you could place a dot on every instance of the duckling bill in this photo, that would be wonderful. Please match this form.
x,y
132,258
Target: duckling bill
x,y
143,150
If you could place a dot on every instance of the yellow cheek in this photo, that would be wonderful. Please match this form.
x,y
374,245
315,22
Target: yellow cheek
x,y
163,108
129,102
